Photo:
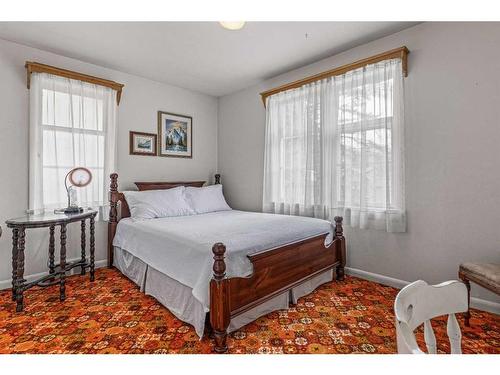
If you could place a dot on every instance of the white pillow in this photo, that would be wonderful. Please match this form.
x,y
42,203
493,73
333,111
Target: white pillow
x,y
206,199
151,204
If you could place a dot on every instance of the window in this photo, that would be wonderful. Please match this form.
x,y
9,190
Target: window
x,y
365,115
72,123
73,135
335,147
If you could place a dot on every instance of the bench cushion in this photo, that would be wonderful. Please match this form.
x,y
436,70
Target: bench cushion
x,y
485,274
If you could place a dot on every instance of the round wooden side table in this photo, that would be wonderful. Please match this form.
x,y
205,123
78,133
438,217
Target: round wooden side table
x,y
57,272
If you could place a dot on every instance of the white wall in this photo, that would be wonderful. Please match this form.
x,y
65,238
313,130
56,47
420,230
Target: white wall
x,y
138,108
452,152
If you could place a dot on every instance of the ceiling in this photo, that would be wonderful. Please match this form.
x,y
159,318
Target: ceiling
x,y
200,56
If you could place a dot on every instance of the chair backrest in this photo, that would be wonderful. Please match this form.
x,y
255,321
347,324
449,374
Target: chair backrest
x,y
418,303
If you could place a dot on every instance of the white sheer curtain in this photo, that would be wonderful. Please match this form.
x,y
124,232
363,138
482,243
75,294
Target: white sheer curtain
x,y
336,147
72,124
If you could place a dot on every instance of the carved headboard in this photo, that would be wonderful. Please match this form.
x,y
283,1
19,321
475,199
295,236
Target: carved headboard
x,y
118,207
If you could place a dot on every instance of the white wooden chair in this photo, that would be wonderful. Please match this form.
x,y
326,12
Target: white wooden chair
x,y
418,303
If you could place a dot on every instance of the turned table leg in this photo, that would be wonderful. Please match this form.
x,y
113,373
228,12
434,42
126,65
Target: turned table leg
x,y
92,248
83,248
51,250
62,280
20,271
15,233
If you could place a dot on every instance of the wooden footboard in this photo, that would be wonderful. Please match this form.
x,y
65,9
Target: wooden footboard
x,y
274,272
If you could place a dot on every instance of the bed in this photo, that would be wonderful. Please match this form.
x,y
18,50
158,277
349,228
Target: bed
x,y
233,266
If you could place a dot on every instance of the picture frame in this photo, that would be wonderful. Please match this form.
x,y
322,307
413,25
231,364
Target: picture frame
x,y
175,135
142,143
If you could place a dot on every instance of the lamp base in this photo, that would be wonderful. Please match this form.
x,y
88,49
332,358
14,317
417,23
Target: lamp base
x,y
69,210
73,210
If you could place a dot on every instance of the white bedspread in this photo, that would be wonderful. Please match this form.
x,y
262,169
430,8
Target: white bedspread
x,y
181,247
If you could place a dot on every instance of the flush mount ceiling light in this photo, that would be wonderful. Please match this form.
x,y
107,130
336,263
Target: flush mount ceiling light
x,y
232,25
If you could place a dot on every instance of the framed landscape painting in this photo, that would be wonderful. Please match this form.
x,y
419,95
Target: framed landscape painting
x,y
142,143
175,135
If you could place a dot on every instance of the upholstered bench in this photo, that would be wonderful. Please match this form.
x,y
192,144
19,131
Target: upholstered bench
x,y
485,274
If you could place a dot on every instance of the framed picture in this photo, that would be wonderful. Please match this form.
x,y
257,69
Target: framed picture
x,y
175,135
142,144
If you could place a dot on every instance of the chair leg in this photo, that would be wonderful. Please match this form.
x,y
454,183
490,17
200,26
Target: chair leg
x,y
467,314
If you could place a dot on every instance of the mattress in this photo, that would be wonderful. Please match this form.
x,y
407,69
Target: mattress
x,y
179,299
181,247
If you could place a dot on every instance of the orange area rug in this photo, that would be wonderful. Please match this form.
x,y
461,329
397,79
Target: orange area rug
x,y
111,315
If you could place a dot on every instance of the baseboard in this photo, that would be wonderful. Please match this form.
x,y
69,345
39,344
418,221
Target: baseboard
x,y
477,303
7,284
485,305
385,280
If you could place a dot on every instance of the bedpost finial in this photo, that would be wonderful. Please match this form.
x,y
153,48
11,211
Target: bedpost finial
x,y
339,230
217,179
219,267
113,186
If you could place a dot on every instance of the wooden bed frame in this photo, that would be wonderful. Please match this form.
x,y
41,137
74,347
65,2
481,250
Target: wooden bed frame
x,y
275,271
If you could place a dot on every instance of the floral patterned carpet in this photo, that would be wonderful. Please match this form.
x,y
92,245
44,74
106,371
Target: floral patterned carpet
x,y
111,315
